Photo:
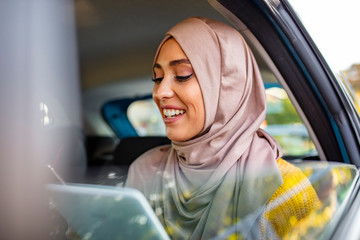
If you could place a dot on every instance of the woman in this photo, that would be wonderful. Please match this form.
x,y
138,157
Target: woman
x,y
221,174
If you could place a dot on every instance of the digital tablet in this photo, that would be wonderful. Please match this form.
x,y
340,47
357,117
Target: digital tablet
x,y
105,212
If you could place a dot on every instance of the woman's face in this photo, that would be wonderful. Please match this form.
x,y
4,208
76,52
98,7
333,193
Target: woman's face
x,y
177,93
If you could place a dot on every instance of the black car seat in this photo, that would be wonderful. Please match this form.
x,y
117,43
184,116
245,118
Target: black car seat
x,y
130,148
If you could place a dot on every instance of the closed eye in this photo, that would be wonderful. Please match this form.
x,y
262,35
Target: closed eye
x,y
183,78
157,80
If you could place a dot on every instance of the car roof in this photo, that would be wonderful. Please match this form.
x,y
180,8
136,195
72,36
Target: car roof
x,y
120,37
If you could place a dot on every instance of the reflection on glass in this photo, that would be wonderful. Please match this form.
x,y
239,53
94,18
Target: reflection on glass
x,y
333,184
307,206
46,119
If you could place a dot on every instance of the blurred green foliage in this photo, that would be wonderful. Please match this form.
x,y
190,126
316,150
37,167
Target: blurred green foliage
x,y
285,112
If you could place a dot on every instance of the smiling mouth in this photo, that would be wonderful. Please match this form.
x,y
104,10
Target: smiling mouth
x,y
172,113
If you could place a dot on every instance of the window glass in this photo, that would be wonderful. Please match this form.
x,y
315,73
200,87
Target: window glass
x,y
336,35
305,207
324,188
333,184
285,125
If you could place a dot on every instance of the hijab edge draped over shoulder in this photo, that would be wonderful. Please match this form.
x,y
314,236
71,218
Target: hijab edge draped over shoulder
x,y
229,170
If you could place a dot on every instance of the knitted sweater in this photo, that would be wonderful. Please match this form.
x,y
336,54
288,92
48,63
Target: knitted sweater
x,y
294,200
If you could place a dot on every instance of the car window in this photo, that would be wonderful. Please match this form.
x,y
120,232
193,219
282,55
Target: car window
x,y
344,58
333,185
284,124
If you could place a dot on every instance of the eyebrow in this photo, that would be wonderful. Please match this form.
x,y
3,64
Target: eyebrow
x,y
174,62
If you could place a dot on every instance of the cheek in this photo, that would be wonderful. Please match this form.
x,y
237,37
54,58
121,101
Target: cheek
x,y
201,113
154,97
154,93
198,98
199,105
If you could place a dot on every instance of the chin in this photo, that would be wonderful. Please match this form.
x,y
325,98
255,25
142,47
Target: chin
x,y
176,137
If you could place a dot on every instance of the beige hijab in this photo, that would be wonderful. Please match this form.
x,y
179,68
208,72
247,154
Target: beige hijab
x,y
222,178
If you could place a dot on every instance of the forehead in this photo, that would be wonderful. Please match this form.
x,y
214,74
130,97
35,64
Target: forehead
x,y
170,51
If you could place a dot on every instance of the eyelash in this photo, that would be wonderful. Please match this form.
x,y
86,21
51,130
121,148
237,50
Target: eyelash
x,y
183,78
179,78
156,80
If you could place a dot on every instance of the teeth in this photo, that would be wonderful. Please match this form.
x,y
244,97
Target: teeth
x,y
170,113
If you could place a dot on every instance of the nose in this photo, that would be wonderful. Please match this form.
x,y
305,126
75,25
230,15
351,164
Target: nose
x,y
164,89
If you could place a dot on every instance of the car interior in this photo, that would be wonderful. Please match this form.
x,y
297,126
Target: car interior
x,y
116,48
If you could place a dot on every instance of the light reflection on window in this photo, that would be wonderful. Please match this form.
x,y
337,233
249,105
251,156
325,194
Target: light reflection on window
x,y
46,118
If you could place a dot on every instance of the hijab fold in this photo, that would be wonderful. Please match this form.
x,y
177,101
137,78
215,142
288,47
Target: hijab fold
x,y
228,172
